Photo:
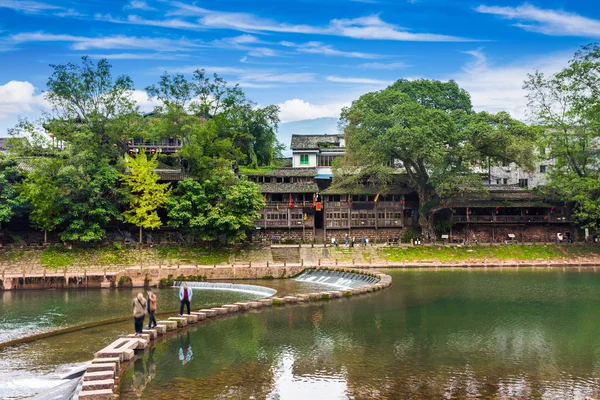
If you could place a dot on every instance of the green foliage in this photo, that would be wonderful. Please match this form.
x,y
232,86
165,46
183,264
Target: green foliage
x,y
42,190
124,280
10,202
218,126
567,107
222,208
431,128
147,195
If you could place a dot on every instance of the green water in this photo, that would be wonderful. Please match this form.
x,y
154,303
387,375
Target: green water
x,y
30,368
449,334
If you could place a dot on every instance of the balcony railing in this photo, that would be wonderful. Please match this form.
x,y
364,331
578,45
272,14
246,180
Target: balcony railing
x,y
479,219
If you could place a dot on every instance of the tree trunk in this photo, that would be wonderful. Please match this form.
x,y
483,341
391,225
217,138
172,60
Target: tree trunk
x,y
140,235
426,218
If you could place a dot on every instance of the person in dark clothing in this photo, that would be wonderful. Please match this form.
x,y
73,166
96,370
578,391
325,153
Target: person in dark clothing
x,y
185,297
151,309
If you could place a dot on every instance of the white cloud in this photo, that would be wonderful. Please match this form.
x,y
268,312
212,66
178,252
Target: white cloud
x,y
138,56
136,20
499,88
297,110
249,76
384,66
362,81
139,5
18,97
142,99
31,7
369,27
107,42
328,50
262,52
546,21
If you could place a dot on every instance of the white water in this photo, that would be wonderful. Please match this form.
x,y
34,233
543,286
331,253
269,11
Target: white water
x,y
337,279
232,287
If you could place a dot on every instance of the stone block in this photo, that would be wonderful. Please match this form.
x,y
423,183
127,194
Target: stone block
x,y
98,385
191,318
355,292
302,298
209,312
243,306
291,299
103,360
144,336
200,315
101,367
150,332
221,310
181,321
278,301
232,308
334,294
171,325
103,394
160,329
255,304
314,296
98,376
266,302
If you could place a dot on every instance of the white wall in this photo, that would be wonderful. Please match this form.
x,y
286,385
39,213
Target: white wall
x,y
312,160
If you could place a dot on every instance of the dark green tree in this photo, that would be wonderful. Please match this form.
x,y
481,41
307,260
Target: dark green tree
x,y
432,130
222,208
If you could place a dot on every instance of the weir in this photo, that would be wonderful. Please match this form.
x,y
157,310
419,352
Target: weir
x,y
233,287
338,279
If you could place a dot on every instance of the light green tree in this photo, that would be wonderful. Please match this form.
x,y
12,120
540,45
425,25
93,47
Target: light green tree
x,y
147,195
42,190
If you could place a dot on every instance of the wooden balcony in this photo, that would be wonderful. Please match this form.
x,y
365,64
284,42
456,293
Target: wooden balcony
x,y
510,219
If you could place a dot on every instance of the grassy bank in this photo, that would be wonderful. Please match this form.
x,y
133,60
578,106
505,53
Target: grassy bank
x,y
55,257
490,253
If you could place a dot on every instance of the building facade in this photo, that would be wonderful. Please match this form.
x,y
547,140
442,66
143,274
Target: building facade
x,y
301,205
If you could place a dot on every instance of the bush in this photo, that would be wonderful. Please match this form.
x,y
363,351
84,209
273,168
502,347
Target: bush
x,y
124,280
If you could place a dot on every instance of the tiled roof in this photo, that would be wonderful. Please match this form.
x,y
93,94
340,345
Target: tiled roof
x,y
315,142
288,187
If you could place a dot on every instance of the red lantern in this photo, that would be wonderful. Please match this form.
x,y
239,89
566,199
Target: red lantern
x,y
129,143
401,202
153,151
497,208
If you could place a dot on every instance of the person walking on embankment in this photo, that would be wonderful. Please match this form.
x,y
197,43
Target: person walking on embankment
x,y
139,311
185,297
151,309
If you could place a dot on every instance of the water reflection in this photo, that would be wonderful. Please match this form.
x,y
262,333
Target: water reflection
x,y
493,335
143,372
185,349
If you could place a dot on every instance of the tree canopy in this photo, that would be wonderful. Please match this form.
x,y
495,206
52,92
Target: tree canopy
x,y
430,128
567,106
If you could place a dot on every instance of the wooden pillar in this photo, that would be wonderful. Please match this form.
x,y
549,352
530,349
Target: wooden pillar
x,y
468,216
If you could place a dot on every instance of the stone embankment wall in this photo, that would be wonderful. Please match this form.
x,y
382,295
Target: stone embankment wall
x,y
100,381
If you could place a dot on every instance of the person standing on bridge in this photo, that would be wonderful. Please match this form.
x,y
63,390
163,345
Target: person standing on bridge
x,y
185,297
139,311
151,309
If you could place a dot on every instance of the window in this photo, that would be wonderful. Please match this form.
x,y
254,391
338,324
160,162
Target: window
x,y
326,161
505,181
303,159
498,181
523,183
542,169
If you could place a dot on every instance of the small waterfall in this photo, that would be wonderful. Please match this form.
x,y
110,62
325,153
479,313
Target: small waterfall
x,y
233,287
338,279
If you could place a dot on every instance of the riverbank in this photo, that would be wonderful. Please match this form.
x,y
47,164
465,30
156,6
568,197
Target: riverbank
x,y
57,259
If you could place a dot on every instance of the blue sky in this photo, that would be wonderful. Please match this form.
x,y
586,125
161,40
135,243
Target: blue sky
x,y
310,57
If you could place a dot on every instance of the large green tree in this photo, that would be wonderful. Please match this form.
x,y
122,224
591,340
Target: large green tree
x,y
42,190
431,129
218,126
147,195
222,208
10,203
567,106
